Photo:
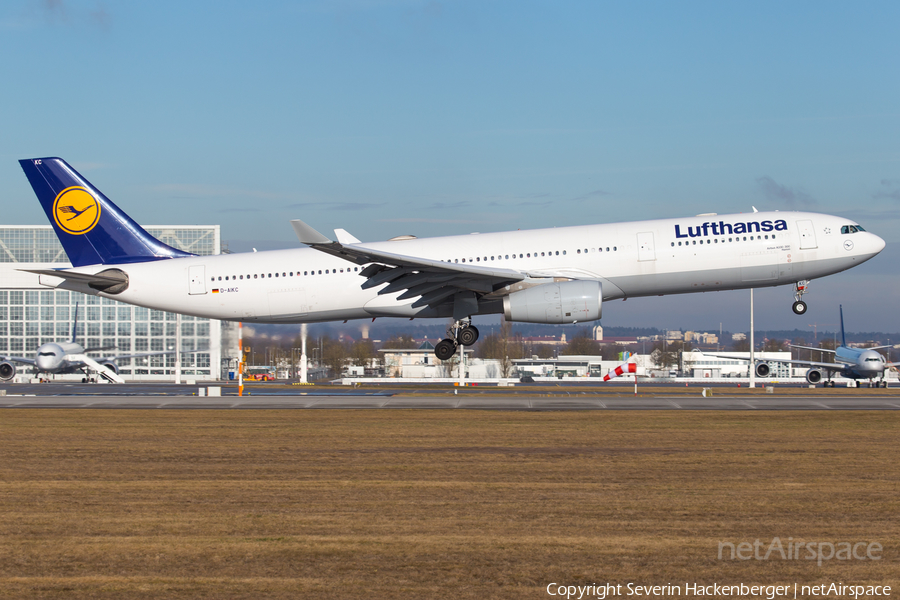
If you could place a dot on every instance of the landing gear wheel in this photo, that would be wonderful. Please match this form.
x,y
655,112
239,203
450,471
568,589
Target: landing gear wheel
x,y
445,349
799,307
467,335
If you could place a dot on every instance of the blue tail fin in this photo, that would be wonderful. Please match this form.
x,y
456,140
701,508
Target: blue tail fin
x,y
843,339
75,325
90,227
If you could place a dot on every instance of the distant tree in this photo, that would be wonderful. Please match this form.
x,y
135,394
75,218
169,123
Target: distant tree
x,y
773,345
828,344
503,347
362,352
610,351
663,356
334,355
582,343
400,341
741,346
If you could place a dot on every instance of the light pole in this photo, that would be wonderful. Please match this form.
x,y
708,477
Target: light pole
x,y
752,343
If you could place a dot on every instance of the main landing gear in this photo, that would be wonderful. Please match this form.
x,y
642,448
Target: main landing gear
x,y
873,384
461,333
799,306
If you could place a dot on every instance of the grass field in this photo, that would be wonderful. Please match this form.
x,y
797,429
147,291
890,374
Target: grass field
x,y
433,504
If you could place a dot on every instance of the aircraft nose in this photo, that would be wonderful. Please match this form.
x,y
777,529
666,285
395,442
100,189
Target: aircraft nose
x,y
45,363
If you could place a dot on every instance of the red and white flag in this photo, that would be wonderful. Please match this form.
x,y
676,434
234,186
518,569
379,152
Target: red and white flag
x,y
627,367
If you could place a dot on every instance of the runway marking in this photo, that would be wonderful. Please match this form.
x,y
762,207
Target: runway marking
x,y
673,403
600,402
892,404
822,405
748,404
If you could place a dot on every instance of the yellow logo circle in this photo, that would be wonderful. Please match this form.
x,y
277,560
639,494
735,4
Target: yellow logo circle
x,y
76,211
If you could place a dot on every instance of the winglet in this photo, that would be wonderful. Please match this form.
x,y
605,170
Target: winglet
x,y
307,234
344,237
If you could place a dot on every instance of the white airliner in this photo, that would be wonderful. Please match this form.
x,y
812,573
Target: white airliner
x,y
559,275
852,363
56,358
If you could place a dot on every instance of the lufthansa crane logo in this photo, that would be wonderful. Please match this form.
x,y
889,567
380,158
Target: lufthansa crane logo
x,y
76,211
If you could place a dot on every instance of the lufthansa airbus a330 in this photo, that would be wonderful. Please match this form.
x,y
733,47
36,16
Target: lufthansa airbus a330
x,y
560,275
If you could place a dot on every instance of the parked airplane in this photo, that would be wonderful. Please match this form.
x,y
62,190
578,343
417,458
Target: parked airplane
x,y
56,358
852,363
559,275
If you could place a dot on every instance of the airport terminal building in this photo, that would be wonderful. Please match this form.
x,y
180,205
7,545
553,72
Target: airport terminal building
x,y
32,314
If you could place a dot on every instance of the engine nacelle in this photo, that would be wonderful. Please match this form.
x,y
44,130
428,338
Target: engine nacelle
x,y
111,366
763,370
7,371
814,376
556,303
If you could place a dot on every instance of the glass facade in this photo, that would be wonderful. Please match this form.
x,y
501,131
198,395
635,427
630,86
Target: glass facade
x,y
38,244
31,315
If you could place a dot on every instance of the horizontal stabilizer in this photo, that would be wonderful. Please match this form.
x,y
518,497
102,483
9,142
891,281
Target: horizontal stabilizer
x,y
111,281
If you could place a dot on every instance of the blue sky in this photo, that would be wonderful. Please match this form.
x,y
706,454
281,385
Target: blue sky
x,y
432,118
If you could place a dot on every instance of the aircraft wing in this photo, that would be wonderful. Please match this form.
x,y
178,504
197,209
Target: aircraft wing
x,y
811,348
145,354
831,366
18,359
434,281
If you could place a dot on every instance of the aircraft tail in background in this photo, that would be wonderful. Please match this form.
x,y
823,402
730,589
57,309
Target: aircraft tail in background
x,y
843,337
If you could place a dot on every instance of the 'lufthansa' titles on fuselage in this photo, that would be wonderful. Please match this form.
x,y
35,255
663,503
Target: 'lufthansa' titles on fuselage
x,y
723,228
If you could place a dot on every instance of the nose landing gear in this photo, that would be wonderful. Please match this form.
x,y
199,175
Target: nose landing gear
x,y
800,288
461,333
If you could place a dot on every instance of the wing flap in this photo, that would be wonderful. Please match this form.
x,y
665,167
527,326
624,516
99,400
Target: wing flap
x,y
432,280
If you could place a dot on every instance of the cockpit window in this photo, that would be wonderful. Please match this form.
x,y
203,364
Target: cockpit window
x,y
851,229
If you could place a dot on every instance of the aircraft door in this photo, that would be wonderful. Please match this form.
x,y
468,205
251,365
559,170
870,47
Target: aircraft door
x,y
646,250
807,235
196,280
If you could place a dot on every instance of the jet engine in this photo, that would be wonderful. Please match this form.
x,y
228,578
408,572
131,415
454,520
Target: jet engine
x,y
111,366
763,370
556,303
814,376
7,371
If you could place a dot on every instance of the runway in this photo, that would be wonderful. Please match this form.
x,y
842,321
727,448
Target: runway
x,y
548,398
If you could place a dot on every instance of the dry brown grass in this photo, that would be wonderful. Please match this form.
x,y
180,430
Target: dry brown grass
x,y
428,504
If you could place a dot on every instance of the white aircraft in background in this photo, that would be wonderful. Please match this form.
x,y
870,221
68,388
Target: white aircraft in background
x,y
559,275
852,363
57,358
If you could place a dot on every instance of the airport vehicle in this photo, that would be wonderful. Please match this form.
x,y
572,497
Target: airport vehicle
x,y
852,363
56,358
560,275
